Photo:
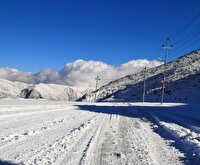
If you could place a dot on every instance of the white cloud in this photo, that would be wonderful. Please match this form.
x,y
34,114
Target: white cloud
x,y
15,75
82,73
134,66
47,75
79,73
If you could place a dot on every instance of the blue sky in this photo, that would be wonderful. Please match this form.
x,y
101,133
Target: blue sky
x,y
35,34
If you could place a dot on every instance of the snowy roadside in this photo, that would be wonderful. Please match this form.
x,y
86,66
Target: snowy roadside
x,y
179,122
187,139
53,132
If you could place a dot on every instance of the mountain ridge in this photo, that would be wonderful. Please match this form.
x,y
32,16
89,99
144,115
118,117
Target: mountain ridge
x,y
180,68
14,89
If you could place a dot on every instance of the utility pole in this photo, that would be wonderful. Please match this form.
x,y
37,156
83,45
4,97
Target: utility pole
x,y
144,87
166,46
96,86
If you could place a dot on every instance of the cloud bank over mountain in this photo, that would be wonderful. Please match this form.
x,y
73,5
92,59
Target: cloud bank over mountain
x,y
16,75
79,73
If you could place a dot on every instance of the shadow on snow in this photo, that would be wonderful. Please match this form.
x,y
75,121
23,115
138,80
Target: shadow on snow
x,y
145,112
2,162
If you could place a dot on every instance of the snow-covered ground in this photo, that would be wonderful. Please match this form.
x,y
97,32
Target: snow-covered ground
x,y
49,132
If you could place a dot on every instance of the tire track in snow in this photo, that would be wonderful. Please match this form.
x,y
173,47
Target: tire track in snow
x,y
39,143
79,153
32,129
90,154
131,140
53,151
91,138
107,150
151,148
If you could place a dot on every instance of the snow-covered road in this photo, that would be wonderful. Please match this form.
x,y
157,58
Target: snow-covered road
x,y
47,132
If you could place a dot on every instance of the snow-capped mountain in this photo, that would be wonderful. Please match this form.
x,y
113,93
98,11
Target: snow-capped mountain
x,y
50,92
10,89
182,83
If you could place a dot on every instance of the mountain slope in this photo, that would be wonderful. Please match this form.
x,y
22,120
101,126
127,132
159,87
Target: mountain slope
x,y
50,92
182,81
9,89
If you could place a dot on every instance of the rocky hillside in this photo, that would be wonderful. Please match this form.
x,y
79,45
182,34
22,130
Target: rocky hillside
x,y
183,83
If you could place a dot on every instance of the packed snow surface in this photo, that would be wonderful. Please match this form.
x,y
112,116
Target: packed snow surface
x,y
50,132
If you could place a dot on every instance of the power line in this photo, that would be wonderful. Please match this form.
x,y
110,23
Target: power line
x,y
185,27
187,43
188,46
191,35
